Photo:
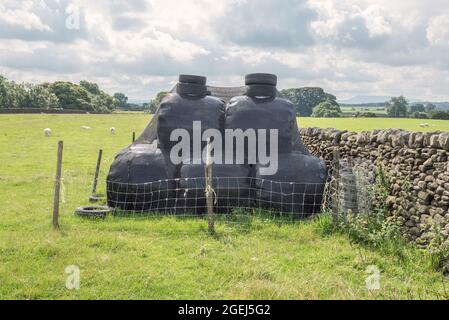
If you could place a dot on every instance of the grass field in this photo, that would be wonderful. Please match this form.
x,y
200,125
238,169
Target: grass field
x,y
367,124
377,110
169,258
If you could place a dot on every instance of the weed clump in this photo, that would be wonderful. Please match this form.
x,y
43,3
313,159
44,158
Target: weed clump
x,y
377,229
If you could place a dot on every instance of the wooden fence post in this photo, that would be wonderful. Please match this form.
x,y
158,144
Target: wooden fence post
x,y
134,136
57,186
209,189
97,171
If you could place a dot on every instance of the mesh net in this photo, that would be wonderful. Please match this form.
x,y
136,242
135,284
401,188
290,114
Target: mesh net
x,y
188,196
350,188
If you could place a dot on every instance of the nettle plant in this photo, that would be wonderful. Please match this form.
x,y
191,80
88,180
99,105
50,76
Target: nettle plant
x,y
439,249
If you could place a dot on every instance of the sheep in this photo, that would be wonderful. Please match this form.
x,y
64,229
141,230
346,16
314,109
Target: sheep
x,y
112,130
47,132
424,125
86,128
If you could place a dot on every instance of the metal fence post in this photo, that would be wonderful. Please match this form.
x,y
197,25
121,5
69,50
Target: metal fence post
x,y
209,189
335,183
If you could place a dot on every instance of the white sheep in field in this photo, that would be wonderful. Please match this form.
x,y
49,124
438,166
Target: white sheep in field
x,y
112,130
47,132
424,125
85,128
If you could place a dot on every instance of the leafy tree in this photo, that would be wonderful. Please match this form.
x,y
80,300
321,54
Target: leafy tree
x,y
90,87
103,102
154,104
439,114
146,107
419,107
12,95
4,92
39,96
122,99
430,107
305,99
21,97
366,114
397,107
7,94
60,94
419,115
326,109
71,96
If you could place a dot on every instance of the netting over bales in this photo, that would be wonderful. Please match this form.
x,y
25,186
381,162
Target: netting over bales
x,y
188,196
143,178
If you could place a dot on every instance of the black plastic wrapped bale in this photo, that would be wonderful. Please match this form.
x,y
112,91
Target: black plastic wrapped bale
x,y
296,188
189,103
248,113
231,184
141,179
261,109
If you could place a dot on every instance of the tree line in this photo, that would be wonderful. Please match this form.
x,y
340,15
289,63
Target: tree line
x,y
149,107
308,101
312,101
64,95
315,102
85,96
399,107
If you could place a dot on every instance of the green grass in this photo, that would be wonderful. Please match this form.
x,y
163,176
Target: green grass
x,y
377,110
164,257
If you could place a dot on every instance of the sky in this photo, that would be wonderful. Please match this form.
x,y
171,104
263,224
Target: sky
x,y
138,47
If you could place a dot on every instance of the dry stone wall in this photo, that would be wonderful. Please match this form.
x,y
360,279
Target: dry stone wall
x,y
416,164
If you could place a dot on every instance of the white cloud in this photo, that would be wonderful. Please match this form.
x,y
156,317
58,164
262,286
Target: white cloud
x,y
438,31
376,22
23,18
349,47
351,25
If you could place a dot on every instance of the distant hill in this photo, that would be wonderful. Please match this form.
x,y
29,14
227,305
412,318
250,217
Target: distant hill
x,y
363,105
365,100
440,105
137,101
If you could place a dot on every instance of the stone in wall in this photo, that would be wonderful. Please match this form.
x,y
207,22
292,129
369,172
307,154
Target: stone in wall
x,y
416,163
